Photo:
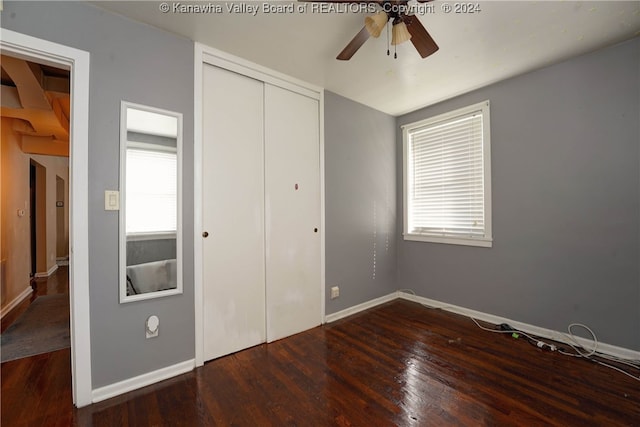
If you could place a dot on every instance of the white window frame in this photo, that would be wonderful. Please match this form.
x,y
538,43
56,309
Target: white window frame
x,y
487,239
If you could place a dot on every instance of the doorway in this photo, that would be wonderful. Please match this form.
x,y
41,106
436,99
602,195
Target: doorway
x,y
77,61
32,218
35,139
38,219
62,222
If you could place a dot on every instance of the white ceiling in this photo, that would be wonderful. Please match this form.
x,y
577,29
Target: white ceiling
x,y
504,39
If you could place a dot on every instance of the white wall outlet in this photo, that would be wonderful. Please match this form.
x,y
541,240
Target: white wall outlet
x,y
152,325
335,292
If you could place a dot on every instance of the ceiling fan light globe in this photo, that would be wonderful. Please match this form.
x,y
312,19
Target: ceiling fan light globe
x,y
376,23
400,34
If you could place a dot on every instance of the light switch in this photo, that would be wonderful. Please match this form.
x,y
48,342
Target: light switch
x,y
111,200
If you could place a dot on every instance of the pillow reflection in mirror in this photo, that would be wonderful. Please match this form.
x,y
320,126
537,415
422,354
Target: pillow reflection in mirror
x,y
152,276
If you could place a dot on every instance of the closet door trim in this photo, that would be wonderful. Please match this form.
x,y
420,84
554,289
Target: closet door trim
x,y
258,72
207,55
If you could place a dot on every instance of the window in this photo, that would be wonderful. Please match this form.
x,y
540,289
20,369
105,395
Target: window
x,y
151,192
447,178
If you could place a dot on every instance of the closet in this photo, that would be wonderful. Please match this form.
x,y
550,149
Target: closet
x,y
261,210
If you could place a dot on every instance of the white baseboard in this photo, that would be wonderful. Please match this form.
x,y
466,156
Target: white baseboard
x,y
17,300
360,307
525,327
48,273
112,390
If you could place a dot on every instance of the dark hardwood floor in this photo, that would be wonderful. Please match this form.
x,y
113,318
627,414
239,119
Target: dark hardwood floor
x,y
57,283
396,364
27,383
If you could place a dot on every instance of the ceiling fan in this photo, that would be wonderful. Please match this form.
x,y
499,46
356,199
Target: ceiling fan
x,y
405,27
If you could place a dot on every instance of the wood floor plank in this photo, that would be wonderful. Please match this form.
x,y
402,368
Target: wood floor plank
x,y
57,283
399,364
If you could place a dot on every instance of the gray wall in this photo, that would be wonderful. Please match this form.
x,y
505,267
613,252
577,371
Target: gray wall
x,y
360,207
137,63
565,164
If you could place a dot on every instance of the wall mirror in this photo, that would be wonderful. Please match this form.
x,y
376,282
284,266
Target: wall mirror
x,y
150,202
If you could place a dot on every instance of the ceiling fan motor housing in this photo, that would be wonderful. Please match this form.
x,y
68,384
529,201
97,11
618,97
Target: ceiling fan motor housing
x,y
405,27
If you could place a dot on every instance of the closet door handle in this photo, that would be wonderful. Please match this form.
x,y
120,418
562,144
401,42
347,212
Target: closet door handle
x,y
205,234
315,230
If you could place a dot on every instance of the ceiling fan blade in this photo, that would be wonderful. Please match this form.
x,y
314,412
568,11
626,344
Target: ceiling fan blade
x,y
423,42
354,45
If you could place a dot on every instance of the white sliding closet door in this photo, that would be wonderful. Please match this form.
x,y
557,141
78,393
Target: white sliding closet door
x,y
233,212
292,208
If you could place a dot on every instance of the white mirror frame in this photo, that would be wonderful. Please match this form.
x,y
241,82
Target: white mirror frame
x,y
124,298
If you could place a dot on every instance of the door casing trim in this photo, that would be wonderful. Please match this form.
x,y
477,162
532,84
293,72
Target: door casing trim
x,y
78,61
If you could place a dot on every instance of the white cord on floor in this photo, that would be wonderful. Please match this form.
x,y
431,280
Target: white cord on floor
x,y
580,351
571,341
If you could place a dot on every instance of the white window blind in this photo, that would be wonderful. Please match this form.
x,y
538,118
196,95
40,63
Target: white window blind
x,y
446,177
151,192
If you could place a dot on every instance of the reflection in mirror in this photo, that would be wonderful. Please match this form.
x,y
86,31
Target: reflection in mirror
x,y
150,235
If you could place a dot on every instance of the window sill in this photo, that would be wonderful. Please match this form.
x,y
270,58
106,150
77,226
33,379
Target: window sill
x,y
133,237
479,242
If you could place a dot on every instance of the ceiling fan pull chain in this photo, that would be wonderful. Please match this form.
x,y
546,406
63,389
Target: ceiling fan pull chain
x,y
395,52
393,15
388,52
